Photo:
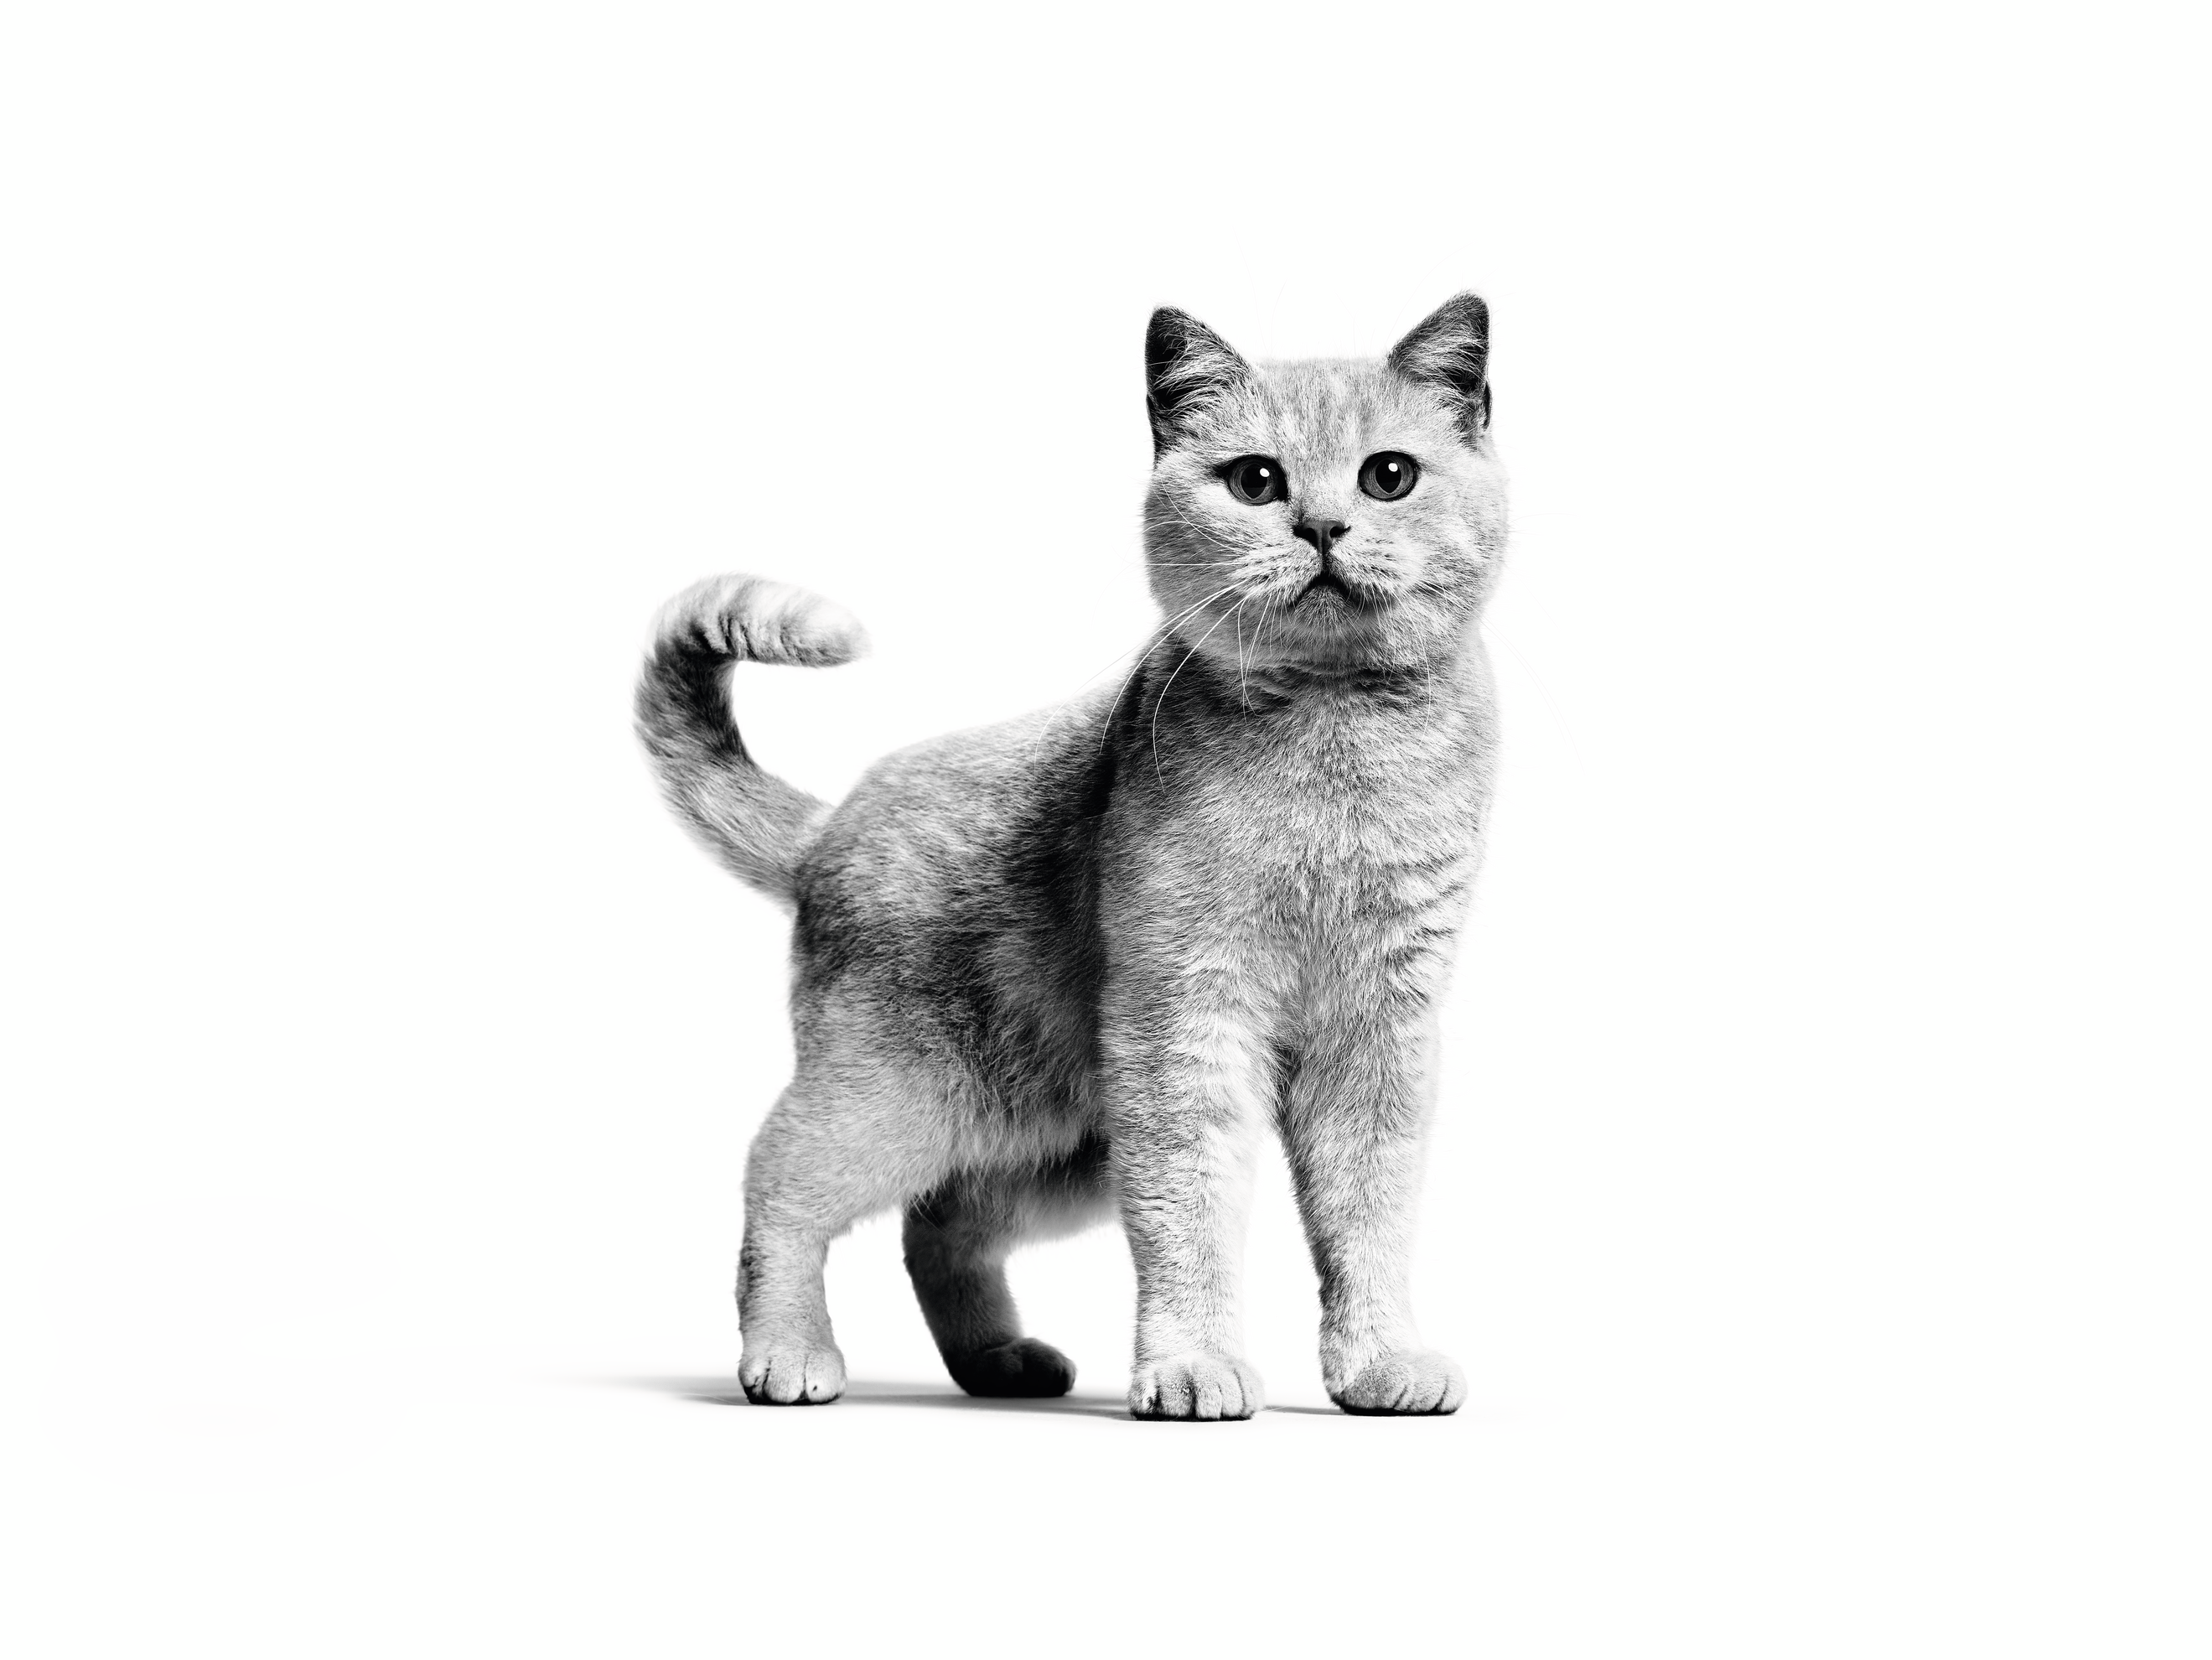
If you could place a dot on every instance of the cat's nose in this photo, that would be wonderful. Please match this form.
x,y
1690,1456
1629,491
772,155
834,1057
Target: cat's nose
x,y
1320,531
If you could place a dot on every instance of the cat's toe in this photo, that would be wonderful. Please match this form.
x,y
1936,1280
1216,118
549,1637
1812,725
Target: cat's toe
x,y
1024,1367
1198,1385
793,1375
1411,1383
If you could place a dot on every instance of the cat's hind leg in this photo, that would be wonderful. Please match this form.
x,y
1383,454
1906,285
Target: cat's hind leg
x,y
841,1144
957,1237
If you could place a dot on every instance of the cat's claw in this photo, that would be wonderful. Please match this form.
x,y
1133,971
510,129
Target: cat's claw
x,y
1196,1385
1024,1367
798,1375
1410,1383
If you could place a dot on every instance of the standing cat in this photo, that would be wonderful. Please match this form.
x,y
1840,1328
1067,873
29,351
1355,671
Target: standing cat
x,y
1075,963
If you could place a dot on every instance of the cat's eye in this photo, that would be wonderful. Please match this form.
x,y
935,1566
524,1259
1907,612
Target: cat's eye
x,y
1254,479
1388,476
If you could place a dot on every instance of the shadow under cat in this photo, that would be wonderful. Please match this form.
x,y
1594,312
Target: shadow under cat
x,y
727,1392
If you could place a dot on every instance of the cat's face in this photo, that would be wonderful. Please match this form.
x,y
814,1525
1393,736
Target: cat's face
x,y
1324,515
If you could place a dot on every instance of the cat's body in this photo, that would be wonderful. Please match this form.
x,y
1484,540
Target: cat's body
x,y
1080,961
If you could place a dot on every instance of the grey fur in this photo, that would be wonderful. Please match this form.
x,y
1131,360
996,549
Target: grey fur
x,y
1075,963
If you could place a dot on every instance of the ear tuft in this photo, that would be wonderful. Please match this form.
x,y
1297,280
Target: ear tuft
x,y
1449,350
1187,366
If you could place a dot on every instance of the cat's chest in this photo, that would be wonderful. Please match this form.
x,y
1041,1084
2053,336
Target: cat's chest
x,y
1343,812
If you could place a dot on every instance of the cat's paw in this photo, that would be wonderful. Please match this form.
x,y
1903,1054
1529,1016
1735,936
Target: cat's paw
x,y
1195,1385
791,1375
1408,1384
1023,1367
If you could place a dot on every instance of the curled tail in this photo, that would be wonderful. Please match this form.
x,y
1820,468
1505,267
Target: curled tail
x,y
753,821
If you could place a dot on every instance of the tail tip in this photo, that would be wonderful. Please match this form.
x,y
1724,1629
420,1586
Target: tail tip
x,y
823,634
750,618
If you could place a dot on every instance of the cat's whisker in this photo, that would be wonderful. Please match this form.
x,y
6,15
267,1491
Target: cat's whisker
x,y
1164,690
1153,635
1205,533
1069,710
1244,693
1144,654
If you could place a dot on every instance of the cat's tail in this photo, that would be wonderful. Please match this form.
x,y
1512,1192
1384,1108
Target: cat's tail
x,y
756,824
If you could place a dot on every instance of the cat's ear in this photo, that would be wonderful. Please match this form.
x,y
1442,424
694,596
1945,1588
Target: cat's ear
x,y
1187,366
1450,351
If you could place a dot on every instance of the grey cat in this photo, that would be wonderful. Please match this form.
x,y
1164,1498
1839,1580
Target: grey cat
x,y
1071,965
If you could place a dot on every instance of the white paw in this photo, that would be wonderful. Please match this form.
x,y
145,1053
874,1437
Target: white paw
x,y
1195,1385
1412,1382
791,1375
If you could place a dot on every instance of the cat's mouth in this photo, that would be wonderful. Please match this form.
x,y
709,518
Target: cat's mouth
x,y
1329,589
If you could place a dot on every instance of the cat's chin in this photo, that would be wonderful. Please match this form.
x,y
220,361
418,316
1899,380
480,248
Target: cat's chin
x,y
1331,628
1330,593
1347,642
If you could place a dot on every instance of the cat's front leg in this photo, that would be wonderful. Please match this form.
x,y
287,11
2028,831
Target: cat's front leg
x,y
1185,1098
1353,1123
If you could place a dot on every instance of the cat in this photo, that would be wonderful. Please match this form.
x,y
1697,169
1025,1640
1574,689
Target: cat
x,y
1073,965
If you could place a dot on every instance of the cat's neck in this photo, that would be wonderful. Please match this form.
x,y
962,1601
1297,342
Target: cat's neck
x,y
1217,712
1364,737
1382,685
1458,678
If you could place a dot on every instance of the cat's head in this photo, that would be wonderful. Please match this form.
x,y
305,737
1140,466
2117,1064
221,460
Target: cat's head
x,y
1327,514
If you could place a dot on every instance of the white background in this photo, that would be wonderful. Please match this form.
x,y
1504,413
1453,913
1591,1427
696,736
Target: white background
x,y
1818,1201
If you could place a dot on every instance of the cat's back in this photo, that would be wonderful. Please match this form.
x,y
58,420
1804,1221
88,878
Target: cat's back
x,y
973,831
